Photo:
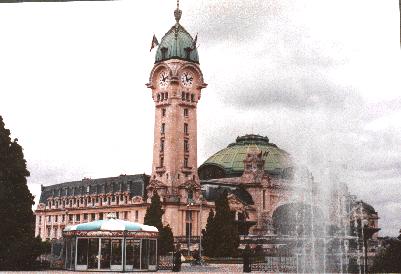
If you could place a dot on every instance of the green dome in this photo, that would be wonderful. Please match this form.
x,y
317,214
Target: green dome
x,y
177,43
228,162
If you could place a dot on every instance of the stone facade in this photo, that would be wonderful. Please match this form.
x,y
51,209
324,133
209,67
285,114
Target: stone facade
x,y
88,200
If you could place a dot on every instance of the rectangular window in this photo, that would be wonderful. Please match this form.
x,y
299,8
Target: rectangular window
x,y
185,112
93,252
133,253
116,254
93,216
136,215
183,96
101,216
77,217
145,254
161,145
185,162
163,128
161,161
70,217
264,199
56,218
163,112
188,216
85,216
125,215
192,97
185,128
82,252
188,229
63,218
49,219
186,146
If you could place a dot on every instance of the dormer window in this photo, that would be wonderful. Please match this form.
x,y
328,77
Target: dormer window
x,y
164,52
188,52
190,194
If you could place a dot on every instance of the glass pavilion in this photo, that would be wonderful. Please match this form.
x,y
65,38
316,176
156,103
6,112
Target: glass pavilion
x,y
110,245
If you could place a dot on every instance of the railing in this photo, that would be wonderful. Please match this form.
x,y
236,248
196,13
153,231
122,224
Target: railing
x,y
166,262
275,264
172,199
185,239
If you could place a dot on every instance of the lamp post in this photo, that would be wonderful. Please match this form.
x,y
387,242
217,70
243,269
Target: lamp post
x,y
189,203
200,226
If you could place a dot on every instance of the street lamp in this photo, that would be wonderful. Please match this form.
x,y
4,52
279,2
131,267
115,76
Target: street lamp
x,y
190,203
200,225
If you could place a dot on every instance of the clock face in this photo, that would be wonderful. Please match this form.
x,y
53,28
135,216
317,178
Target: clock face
x,y
187,79
163,79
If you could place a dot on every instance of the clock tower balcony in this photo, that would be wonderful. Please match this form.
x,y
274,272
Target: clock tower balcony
x,y
186,170
188,104
160,169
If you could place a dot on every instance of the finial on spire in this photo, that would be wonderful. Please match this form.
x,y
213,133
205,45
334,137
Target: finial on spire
x,y
178,12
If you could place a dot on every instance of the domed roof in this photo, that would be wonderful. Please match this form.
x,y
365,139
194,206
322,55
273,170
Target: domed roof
x,y
111,225
231,158
177,43
367,207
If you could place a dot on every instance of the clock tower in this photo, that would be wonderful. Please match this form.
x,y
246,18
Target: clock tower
x,y
176,82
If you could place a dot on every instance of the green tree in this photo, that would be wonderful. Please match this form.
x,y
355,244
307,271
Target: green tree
x,y
19,248
166,240
153,217
209,236
154,212
388,260
221,234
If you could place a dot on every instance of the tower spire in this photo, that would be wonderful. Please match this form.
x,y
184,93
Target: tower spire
x,y
178,12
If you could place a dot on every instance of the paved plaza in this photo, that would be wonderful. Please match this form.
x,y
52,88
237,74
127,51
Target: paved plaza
x,y
186,268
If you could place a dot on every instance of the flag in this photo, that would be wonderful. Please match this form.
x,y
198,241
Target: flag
x,y
154,42
194,42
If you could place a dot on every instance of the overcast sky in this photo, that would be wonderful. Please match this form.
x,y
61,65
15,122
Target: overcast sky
x,y
320,78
